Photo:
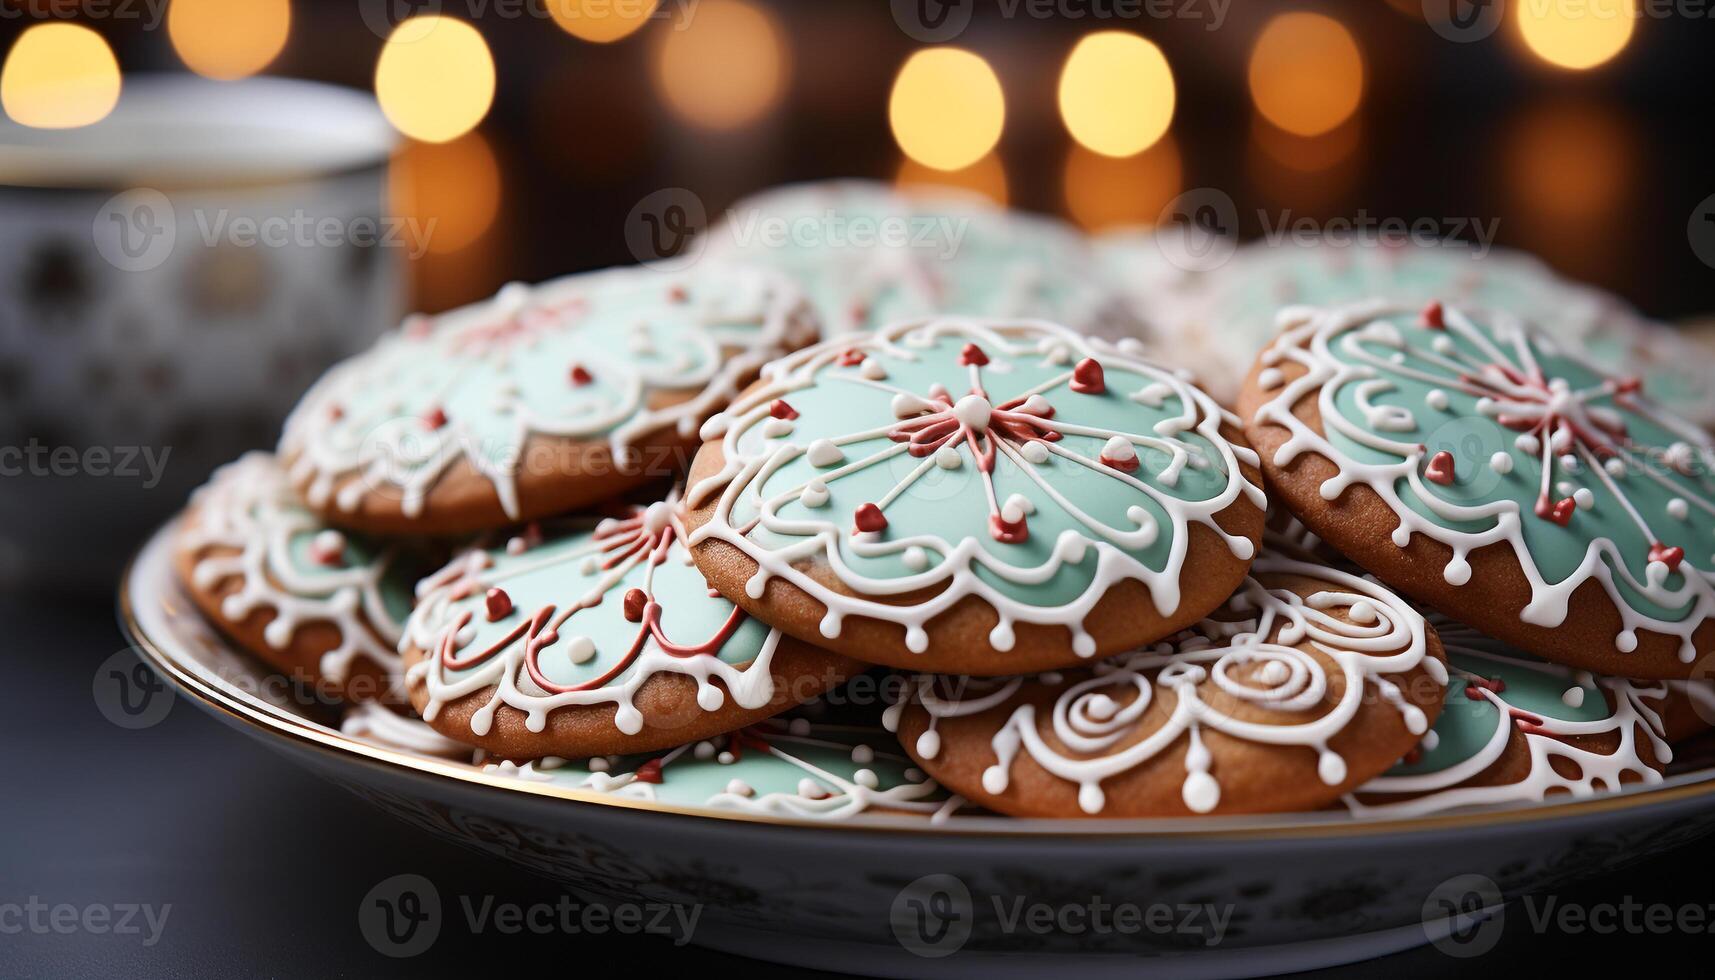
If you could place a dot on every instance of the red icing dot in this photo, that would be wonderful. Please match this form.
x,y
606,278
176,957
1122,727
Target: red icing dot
x,y
1628,386
649,772
677,294
435,417
336,412
1440,468
1669,556
1126,465
1560,512
581,375
1433,318
869,518
781,410
635,600
1088,378
972,354
1015,532
851,357
499,604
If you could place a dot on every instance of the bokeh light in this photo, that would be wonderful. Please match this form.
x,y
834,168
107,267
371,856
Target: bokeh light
x,y
1306,73
1577,35
448,192
601,21
435,78
228,39
725,67
58,76
947,110
1116,93
1306,154
1569,162
1104,192
986,177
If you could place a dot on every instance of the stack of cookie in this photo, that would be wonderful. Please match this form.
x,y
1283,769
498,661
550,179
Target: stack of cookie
x,y
675,535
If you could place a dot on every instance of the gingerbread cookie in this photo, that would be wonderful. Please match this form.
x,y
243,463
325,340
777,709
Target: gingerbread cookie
x,y
322,606
869,255
1469,461
1308,683
544,399
597,641
1519,729
788,766
974,497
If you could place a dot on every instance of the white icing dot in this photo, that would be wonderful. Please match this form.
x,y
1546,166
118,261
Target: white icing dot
x,y
1015,508
726,758
1615,466
598,764
1573,697
1331,768
872,369
1090,798
1501,463
1100,707
1678,509
973,411
709,697
1436,399
798,726
775,428
1584,498
929,744
1200,792
1268,379
1273,673
1401,536
915,558
948,458
863,755
905,405
823,452
580,649
1035,452
994,780
1626,642
739,787
1528,444
814,494
704,750
866,778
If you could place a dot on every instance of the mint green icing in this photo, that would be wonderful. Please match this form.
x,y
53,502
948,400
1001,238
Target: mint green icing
x,y
953,505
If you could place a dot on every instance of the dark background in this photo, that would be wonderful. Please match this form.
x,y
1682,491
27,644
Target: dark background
x,y
1598,172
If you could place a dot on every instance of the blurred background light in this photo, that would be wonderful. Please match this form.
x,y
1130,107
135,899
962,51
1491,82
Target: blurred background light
x,y
1577,35
228,39
1116,93
601,21
435,78
986,177
58,76
1306,73
947,110
450,191
724,67
1104,192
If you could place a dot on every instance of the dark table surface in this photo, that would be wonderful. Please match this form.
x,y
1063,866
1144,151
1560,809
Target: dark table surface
x,y
264,865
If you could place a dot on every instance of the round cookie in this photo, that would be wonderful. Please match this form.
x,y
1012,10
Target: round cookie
x,y
1309,682
539,401
597,642
1235,307
1467,461
869,254
324,607
789,767
974,497
1519,729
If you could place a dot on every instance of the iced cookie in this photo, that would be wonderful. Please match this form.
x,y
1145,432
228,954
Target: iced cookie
x,y
1306,684
1235,306
597,641
789,767
1519,729
983,497
869,255
320,605
1473,464
541,400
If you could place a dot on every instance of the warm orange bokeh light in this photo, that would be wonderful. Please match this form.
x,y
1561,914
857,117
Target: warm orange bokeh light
x,y
449,191
986,177
1306,73
1116,93
1103,192
1577,35
601,21
228,39
435,78
725,67
1569,164
946,109
59,76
